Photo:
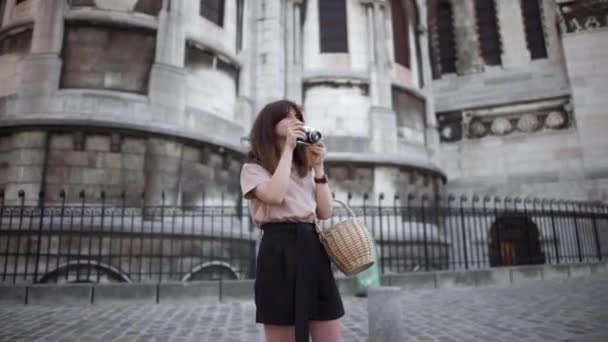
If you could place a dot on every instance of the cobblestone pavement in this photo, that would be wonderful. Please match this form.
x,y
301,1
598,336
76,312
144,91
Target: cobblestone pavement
x,y
539,311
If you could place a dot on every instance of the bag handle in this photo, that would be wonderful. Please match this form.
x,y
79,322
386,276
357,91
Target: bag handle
x,y
348,209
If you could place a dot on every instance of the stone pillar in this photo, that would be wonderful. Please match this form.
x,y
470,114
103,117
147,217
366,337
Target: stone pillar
x,y
293,51
512,33
371,43
167,76
468,54
383,61
26,164
270,52
431,133
162,167
383,120
552,38
385,314
42,67
244,108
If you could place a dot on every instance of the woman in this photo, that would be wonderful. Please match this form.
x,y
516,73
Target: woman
x,y
287,189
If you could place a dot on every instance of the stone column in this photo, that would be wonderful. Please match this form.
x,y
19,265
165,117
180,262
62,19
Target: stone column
x,y
26,165
42,67
244,108
512,33
385,312
270,51
431,133
162,167
167,76
468,54
383,120
552,38
293,51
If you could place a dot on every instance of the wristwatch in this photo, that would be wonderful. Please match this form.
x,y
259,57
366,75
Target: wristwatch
x,y
322,180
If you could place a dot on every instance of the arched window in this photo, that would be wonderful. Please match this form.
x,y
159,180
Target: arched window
x,y
445,37
487,30
333,27
535,36
2,6
401,37
213,10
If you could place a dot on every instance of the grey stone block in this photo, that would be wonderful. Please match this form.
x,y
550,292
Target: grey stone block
x,y
552,272
193,292
579,270
347,286
120,292
413,281
64,294
12,294
452,279
236,290
385,314
522,274
493,277
600,267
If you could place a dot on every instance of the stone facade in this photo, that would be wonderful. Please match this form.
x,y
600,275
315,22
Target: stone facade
x,y
149,102
518,128
160,71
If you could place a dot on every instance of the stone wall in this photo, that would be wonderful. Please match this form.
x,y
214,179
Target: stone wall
x,y
13,48
111,58
585,31
114,162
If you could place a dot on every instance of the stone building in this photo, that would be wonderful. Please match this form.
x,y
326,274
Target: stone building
x,y
156,97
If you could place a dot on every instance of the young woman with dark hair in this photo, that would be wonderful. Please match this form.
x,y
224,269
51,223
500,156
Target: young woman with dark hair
x,y
285,182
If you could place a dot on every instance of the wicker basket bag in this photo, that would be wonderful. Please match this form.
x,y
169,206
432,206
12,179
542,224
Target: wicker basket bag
x,y
348,244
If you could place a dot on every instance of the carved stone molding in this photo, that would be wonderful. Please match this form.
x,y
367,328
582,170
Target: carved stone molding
x,y
481,123
582,15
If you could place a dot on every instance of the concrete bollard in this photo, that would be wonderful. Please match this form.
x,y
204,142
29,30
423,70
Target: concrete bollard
x,y
385,314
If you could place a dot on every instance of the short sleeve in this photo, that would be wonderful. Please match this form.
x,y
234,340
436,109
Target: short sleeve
x,y
252,175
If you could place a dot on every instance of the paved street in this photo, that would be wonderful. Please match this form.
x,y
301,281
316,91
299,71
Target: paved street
x,y
540,311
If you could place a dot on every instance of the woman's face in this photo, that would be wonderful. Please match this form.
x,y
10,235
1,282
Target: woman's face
x,y
281,127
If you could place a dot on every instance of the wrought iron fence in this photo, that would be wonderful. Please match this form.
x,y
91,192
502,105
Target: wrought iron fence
x,y
99,242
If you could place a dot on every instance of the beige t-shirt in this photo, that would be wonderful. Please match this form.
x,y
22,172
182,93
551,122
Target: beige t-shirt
x,y
299,205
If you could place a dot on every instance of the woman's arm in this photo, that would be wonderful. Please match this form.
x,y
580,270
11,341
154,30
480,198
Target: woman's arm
x,y
274,190
323,196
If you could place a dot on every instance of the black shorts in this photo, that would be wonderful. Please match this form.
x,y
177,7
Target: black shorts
x,y
294,281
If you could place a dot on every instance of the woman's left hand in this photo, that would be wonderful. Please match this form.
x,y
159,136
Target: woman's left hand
x,y
317,154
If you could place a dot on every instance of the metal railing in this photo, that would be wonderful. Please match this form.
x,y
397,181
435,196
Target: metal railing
x,y
99,242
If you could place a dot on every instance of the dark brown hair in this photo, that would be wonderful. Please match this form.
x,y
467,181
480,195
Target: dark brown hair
x,y
263,140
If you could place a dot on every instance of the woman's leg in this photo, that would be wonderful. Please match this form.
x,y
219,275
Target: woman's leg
x,y
325,331
279,333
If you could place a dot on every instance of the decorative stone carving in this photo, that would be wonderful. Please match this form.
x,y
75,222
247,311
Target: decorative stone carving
x,y
501,126
555,120
477,128
579,16
527,123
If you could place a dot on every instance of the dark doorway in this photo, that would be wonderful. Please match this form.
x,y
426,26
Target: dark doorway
x,y
514,240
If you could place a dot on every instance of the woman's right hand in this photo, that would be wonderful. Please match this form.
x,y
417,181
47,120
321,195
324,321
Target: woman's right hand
x,y
294,131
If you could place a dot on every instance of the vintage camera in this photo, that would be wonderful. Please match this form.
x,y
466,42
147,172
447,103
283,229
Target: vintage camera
x,y
313,136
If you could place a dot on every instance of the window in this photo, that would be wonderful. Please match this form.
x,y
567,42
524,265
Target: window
x,y
487,30
17,43
535,36
2,5
332,19
116,59
239,25
213,10
446,40
401,37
